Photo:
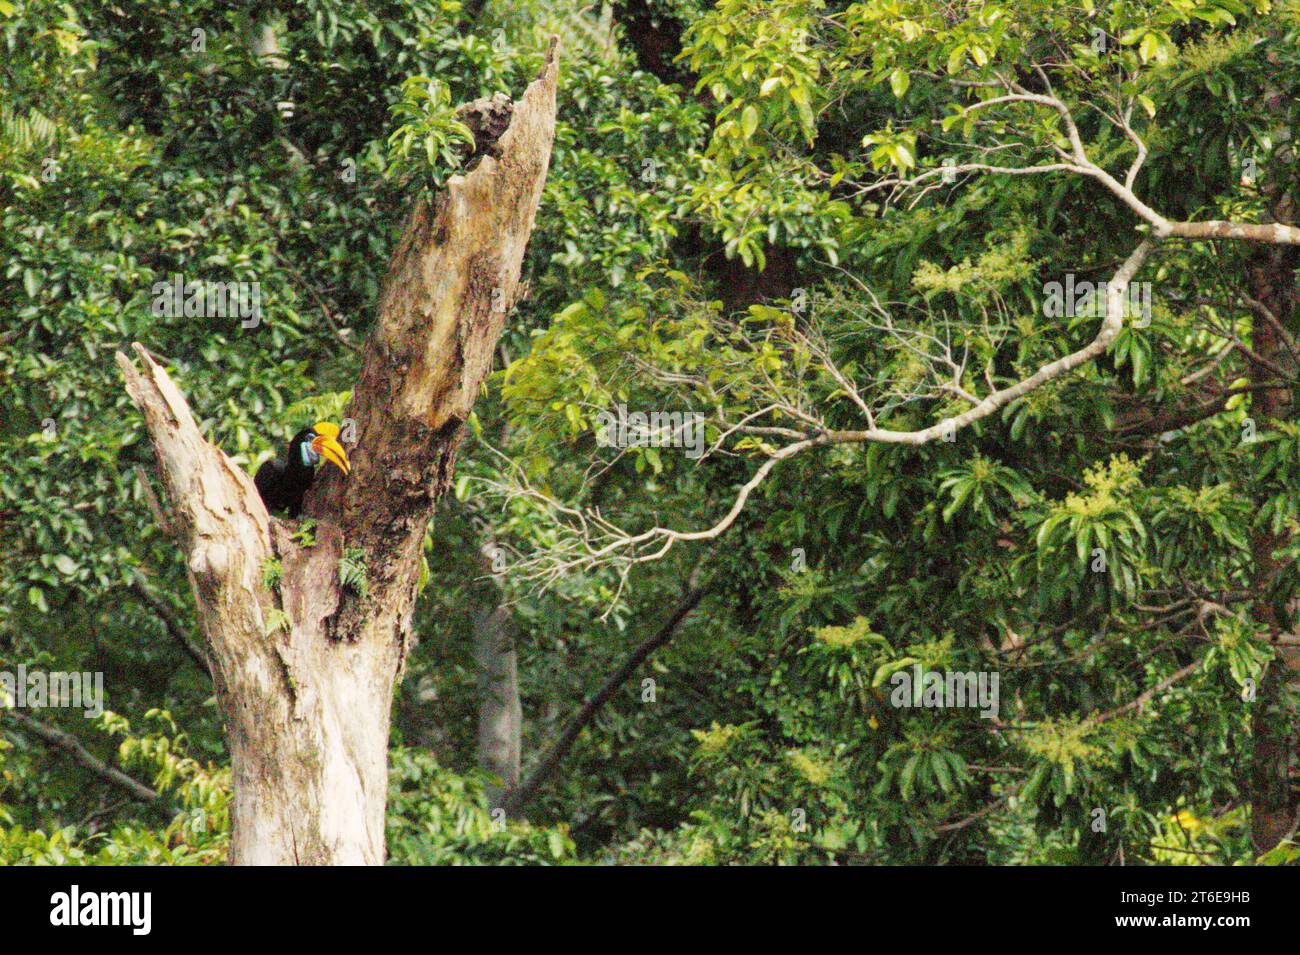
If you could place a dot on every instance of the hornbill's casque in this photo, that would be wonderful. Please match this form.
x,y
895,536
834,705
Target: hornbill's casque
x,y
283,484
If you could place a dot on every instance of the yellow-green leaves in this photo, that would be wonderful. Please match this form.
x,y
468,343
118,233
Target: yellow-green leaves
x,y
1152,44
978,484
750,50
803,106
899,80
1093,544
1063,746
957,56
858,631
429,128
890,148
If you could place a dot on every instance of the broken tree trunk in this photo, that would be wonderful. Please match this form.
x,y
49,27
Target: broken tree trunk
x,y
305,671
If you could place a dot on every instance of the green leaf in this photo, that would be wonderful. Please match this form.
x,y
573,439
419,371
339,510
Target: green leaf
x,y
555,842
940,767
1149,48
955,58
1139,356
899,80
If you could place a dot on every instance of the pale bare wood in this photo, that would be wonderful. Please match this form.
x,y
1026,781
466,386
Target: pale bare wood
x,y
305,672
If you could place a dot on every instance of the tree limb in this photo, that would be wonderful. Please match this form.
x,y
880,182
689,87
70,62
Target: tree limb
x,y
1146,696
518,798
71,746
174,629
596,541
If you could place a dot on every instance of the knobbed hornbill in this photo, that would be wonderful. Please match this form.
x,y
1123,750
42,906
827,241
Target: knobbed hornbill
x,y
283,484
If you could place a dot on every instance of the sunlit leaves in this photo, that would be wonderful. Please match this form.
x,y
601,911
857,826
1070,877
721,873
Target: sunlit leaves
x,y
892,149
980,483
428,127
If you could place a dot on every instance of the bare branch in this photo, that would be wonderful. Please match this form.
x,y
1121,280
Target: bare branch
x,y
1076,160
71,747
588,541
174,629
517,799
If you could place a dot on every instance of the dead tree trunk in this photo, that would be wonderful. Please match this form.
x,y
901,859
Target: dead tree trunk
x,y
305,672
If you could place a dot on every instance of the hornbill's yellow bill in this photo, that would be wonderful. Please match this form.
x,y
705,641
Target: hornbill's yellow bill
x,y
283,484
326,444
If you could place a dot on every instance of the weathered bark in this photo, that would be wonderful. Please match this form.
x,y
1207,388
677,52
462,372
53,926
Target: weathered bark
x,y
1274,789
305,673
1274,803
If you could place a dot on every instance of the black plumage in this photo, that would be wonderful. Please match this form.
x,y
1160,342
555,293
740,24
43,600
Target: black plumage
x,y
283,484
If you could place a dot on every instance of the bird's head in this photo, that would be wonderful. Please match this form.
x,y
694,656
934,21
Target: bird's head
x,y
321,440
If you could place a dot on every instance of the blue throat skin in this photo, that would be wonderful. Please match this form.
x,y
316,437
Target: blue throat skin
x,y
309,457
